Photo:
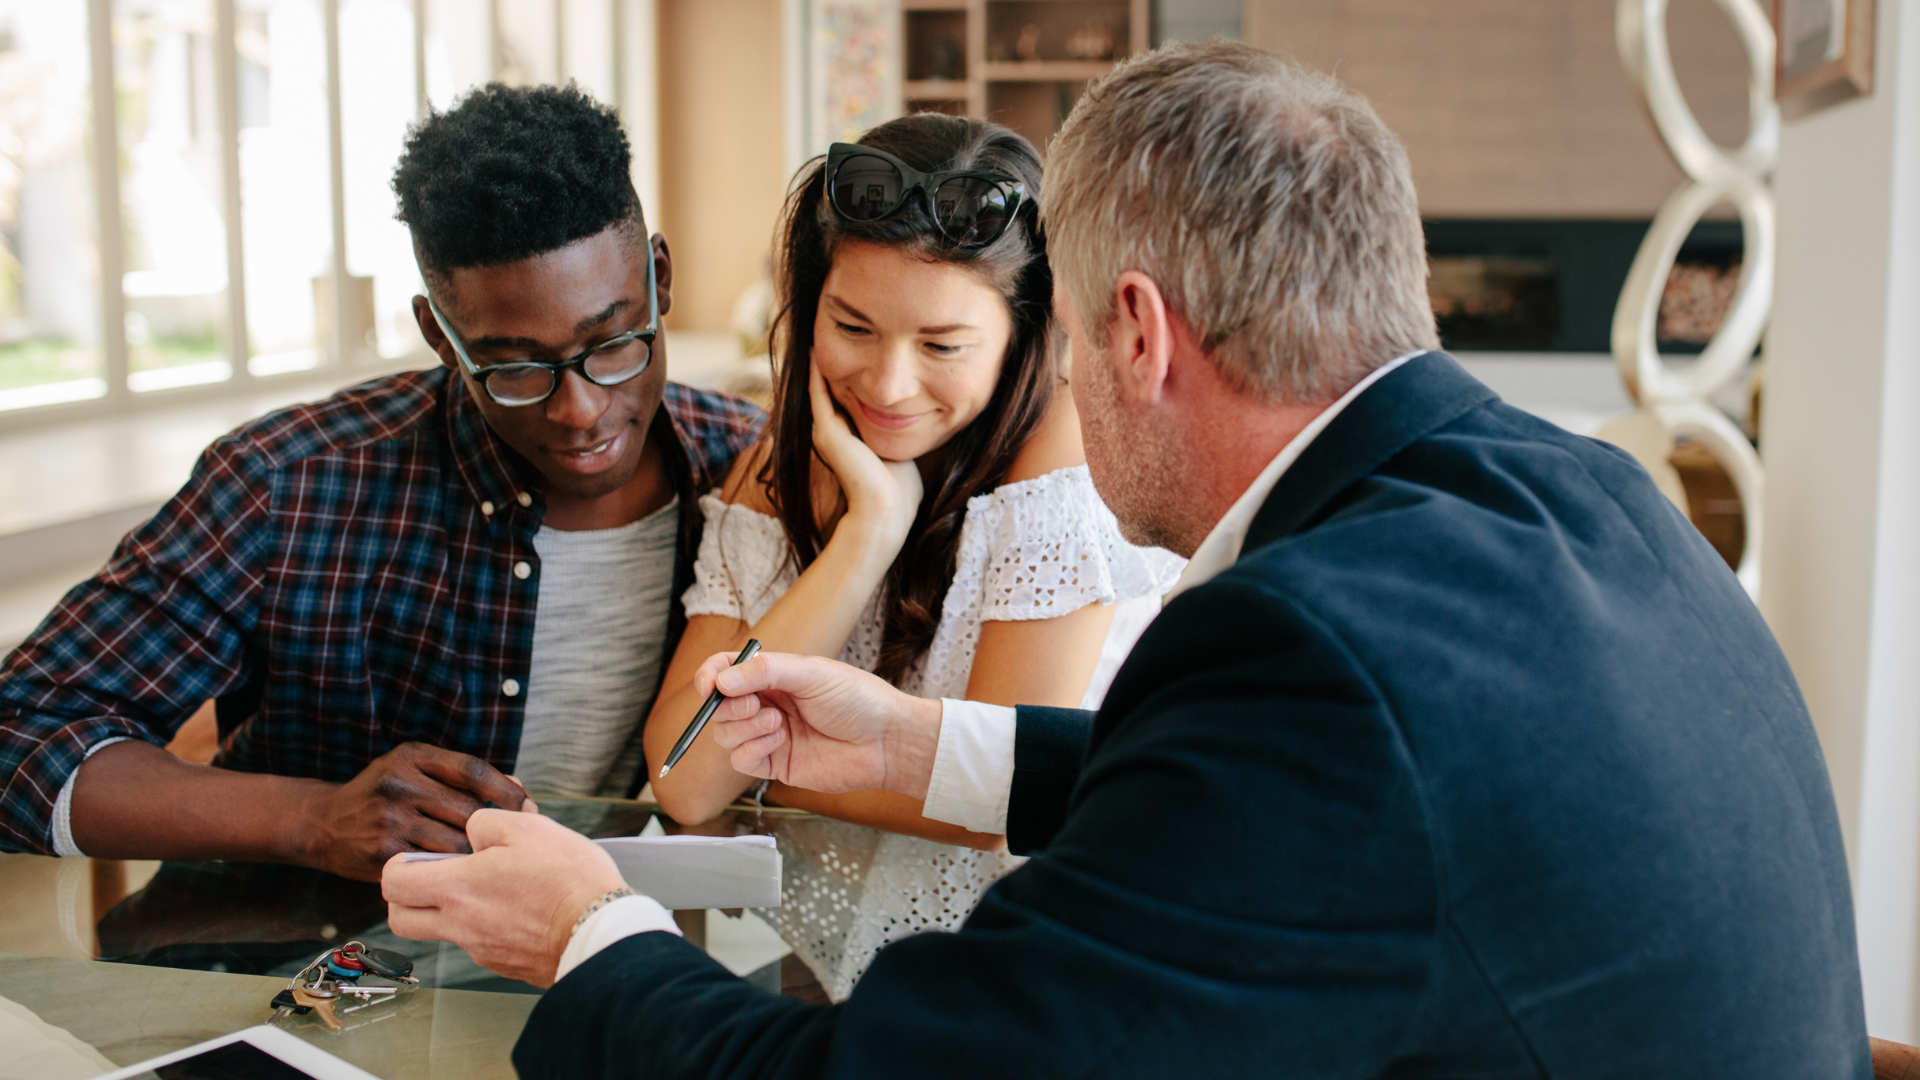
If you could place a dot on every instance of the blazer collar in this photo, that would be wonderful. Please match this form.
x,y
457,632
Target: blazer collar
x,y
1424,394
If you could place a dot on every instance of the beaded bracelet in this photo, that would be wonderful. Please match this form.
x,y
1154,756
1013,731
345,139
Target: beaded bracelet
x,y
603,901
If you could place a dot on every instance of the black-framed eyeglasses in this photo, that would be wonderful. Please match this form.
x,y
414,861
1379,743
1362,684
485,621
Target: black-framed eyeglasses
x,y
529,382
969,207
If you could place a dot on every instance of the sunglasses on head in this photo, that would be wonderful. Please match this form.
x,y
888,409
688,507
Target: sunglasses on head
x,y
969,207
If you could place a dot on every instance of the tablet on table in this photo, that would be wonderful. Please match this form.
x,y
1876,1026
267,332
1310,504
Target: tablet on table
x,y
257,1053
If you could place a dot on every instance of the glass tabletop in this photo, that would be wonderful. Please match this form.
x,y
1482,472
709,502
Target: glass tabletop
x,y
107,962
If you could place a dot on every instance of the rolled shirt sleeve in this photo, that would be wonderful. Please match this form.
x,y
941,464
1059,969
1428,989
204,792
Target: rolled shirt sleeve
x,y
61,839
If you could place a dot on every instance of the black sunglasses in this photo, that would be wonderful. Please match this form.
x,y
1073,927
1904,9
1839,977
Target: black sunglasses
x,y
527,381
970,208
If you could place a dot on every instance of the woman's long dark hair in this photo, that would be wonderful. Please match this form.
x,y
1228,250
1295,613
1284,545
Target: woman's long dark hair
x,y
977,457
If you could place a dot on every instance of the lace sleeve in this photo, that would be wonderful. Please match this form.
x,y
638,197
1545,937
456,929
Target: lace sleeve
x,y
743,565
1048,546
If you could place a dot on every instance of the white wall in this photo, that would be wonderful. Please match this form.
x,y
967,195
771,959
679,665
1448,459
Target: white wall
x,y
1840,435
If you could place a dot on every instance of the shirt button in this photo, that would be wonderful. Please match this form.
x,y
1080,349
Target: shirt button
x,y
521,570
511,688
525,499
486,508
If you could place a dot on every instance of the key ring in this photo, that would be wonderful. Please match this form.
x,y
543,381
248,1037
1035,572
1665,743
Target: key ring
x,y
326,981
359,963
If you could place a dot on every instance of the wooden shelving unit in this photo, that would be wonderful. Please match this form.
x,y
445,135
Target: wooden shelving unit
x,y
1022,63
936,90
1046,70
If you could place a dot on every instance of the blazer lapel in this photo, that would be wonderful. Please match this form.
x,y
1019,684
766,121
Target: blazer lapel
x,y
1422,395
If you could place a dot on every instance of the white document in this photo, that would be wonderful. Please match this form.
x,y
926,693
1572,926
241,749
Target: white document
x,y
688,872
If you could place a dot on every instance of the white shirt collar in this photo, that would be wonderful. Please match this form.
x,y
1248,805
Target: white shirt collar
x,y
1221,548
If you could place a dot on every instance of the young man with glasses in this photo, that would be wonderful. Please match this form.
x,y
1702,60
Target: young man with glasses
x,y
424,592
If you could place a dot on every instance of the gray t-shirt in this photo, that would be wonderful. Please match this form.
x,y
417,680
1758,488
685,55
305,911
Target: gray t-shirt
x,y
599,630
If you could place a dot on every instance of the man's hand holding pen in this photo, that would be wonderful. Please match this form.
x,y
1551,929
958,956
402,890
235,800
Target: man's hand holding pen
x,y
820,724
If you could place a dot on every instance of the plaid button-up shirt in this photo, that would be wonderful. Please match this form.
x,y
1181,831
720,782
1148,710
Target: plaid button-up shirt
x,y
340,577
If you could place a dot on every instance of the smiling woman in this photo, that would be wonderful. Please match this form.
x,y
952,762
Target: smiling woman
x,y
921,509
910,347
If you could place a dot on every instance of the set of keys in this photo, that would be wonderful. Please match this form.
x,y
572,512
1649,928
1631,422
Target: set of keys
x,y
330,987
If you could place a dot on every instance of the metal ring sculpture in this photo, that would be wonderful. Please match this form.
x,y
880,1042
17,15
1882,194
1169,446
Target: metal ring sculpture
x,y
1677,397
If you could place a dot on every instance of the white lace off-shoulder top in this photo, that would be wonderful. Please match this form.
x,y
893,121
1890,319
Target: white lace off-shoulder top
x,y
1035,549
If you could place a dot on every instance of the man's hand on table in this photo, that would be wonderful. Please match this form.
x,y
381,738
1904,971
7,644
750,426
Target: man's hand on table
x,y
414,797
512,903
822,725
133,800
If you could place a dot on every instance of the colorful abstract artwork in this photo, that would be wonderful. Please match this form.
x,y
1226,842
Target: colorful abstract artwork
x,y
854,68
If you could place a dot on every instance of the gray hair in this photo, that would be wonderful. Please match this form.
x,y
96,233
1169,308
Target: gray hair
x,y
1271,206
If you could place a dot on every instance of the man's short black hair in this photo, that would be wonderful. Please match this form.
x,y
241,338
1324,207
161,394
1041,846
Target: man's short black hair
x,y
511,172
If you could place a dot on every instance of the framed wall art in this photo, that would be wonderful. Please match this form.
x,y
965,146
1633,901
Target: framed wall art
x,y
853,69
1825,53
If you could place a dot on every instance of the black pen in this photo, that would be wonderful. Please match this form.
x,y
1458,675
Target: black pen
x,y
705,714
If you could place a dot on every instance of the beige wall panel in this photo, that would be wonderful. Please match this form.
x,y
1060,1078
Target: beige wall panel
x,y
721,143
1514,108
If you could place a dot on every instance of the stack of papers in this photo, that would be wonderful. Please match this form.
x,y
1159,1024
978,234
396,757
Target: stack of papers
x,y
687,872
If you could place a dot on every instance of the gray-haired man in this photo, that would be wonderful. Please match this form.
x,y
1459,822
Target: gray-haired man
x,y
1457,751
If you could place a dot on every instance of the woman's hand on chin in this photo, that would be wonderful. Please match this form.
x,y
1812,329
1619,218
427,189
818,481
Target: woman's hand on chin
x,y
881,495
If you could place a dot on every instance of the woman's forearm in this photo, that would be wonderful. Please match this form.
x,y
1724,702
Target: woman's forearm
x,y
885,810
814,617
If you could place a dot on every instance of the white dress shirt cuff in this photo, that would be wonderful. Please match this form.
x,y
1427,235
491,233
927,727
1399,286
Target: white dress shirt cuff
x,y
623,918
973,766
62,831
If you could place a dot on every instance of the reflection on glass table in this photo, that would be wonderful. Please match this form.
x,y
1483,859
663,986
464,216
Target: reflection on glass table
x,y
128,960
260,919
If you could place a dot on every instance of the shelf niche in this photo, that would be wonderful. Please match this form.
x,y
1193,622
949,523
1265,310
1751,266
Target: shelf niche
x,y
1022,63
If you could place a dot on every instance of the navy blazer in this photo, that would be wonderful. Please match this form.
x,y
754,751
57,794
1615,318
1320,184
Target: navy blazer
x,y
1477,763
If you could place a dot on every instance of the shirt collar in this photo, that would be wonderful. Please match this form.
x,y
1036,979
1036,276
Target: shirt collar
x,y
1221,548
490,469
695,469
498,479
